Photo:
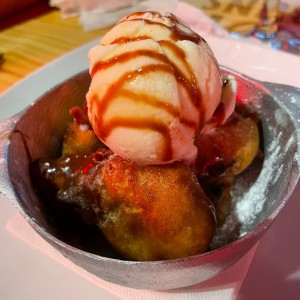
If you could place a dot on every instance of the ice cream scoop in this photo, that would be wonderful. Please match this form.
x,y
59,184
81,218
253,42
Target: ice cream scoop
x,y
155,84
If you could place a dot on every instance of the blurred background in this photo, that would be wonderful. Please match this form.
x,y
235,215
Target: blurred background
x,y
16,11
34,32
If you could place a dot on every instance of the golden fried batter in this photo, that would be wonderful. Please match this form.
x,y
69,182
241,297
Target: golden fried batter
x,y
145,212
228,149
149,212
77,141
155,212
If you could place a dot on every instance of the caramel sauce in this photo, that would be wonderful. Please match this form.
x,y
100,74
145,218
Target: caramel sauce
x,y
116,88
126,39
186,79
175,26
152,124
125,57
190,82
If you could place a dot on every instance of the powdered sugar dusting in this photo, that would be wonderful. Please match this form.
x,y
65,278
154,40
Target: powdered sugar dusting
x,y
252,203
260,189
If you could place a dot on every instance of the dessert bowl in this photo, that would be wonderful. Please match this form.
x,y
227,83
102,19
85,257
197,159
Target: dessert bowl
x,y
259,193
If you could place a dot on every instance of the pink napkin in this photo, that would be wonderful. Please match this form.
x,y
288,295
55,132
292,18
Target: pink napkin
x,y
222,287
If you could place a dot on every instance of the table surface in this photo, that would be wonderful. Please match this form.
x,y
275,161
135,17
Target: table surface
x,y
28,46
36,42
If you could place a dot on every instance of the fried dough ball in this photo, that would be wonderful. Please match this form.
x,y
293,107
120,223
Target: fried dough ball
x,y
145,212
79,137
228,149
78,141
155,212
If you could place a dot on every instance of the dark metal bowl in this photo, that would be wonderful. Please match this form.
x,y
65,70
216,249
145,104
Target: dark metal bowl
x,y
259,193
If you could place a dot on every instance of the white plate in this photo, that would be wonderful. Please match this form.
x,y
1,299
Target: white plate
x,y
257,60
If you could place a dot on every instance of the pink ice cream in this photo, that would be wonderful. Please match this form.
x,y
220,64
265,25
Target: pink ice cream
x,y
155,84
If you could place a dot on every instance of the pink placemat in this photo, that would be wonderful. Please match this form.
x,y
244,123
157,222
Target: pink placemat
x,y
222,287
